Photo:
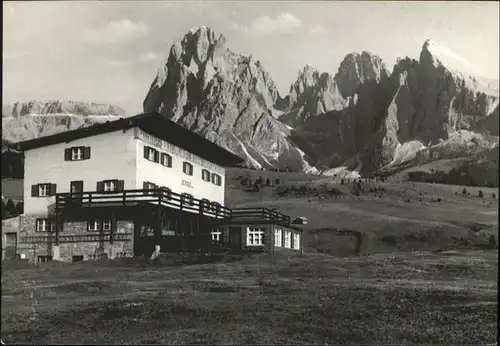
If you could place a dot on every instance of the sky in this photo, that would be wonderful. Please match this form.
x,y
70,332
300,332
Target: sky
x,y
109,52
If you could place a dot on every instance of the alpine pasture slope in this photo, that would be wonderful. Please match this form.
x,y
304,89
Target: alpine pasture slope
x,y
427,274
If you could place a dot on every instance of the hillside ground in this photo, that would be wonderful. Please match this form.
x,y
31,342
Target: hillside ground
x,y
411,298
427,275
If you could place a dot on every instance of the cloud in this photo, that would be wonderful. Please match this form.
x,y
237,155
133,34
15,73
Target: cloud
x,y
285,23
150,57
317,30
117,31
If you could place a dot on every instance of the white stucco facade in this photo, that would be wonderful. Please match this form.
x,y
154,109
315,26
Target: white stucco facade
x,y
174,177
116,155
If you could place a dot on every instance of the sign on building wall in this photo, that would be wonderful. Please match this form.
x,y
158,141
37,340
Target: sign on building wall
x,y
175,150
187,183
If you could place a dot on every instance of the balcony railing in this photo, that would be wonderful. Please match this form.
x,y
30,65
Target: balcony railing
x,y
243,214
160,197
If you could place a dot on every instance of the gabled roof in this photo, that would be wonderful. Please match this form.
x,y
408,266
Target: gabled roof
x,y
152,123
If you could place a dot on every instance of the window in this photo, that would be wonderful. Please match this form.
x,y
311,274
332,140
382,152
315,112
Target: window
x,y
288,242
151,154
255,236
187,199
45,225
205,175
277,237
76,153
166,192
216,179
296,241
149,188
99,225
110,185
43,190
205,204
215,207
187,168
216,235
166,160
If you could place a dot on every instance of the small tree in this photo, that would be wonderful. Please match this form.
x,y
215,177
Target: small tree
x,y
10,208
464,191
480,194
20,208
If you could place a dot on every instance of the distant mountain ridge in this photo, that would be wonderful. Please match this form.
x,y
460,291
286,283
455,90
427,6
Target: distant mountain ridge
x,y
32,119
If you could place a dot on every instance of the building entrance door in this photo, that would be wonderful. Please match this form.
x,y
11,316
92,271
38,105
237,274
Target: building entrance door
x,y
10,245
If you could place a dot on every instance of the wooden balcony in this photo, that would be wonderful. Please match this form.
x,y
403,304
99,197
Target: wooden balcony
x,y
67,202
242,215
131,198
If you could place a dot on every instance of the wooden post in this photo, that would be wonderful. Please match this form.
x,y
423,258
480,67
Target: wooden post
x,y
113,226
158,226
58,227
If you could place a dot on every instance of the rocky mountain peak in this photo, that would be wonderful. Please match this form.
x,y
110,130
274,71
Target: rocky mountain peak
x,y
358,67
225,96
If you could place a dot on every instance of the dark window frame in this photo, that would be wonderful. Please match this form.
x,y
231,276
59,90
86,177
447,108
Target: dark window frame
x,y
216,179
86,153
187,199
166,160
51,190
205,175
189,166
156,154
119,185
149,190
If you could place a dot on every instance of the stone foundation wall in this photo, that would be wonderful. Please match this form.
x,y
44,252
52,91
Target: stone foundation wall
x,y
87,249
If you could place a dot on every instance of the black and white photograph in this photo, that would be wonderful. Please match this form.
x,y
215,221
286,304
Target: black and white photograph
x,y
250,172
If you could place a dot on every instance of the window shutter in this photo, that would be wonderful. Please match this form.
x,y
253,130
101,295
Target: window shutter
x,y
169,161
34,190
146,152
86,153
120,185
157,156
53,189
100,186
67,154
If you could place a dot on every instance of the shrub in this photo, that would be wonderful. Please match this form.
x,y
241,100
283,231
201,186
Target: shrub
x,y
439,199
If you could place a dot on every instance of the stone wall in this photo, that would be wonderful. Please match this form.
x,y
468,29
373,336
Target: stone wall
x,y
87,249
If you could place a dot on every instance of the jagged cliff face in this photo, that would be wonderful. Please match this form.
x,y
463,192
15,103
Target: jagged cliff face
x,y
357,68
311,94
426,106
227,97
28,120
314,93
